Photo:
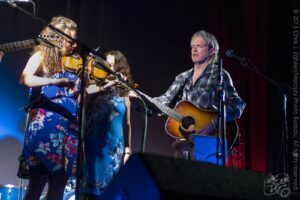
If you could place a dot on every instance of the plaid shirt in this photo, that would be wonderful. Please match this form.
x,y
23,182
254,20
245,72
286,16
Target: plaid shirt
x,y
203,92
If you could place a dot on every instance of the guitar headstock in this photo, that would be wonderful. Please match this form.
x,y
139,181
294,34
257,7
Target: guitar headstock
x,y
52,40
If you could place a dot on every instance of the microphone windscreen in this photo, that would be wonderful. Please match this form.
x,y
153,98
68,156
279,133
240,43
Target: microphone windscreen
x,y
229,53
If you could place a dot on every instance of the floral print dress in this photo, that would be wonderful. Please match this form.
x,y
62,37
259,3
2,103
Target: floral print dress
x,y
50,143
104,141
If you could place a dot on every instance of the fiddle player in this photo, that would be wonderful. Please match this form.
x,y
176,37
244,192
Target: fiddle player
x,y
50,148
107,108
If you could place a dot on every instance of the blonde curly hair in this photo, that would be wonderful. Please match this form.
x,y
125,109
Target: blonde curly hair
x,y
51,56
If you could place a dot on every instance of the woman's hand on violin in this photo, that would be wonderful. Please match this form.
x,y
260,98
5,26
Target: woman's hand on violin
x,y
123,77
93,88
110,83
64,82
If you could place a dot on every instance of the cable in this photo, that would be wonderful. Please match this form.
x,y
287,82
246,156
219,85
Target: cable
x,y
143,143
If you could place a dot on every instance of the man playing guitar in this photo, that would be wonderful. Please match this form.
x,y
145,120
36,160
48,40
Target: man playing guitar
x,y
197,87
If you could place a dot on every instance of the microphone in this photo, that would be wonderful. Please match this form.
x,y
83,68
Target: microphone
x,y
13,3
231,54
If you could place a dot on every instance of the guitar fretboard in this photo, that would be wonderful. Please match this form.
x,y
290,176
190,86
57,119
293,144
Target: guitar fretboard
x,y
16,46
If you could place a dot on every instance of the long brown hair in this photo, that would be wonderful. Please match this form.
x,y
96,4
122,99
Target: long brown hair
x,y
51,56
121,66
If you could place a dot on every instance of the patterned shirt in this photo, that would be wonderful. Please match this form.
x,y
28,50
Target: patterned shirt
x,y
203,92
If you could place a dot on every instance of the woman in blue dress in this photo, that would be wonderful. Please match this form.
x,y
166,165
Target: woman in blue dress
x,y
50,146
108,109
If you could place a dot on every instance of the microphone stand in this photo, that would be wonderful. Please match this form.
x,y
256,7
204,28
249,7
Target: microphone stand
x,y
284,91
104,65
221,116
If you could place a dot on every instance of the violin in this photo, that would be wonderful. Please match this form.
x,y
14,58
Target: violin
x,y
74,64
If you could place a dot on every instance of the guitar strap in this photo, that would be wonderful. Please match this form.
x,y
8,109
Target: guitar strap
x,y
179,93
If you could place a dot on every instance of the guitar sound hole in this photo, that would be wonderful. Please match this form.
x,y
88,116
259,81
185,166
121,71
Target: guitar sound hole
x,y
187,122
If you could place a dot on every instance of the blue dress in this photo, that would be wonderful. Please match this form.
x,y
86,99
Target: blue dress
x,y
51,136
104,142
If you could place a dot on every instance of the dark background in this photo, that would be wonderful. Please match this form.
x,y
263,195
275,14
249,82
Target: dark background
x,y
155,38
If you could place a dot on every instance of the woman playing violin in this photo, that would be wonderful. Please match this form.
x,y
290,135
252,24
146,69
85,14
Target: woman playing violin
x,y
104,139
50,147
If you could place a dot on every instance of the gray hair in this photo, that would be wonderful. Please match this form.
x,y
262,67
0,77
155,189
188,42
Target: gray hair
x,y
211,41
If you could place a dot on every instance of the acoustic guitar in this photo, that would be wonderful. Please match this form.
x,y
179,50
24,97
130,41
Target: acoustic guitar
x,y
186,119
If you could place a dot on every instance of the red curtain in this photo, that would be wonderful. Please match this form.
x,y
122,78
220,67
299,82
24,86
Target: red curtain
x,y
245,31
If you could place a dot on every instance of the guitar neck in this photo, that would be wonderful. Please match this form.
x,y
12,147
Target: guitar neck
x,y
19,45
165,109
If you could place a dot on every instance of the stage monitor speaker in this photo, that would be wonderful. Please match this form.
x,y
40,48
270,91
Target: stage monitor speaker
x,y
153,177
